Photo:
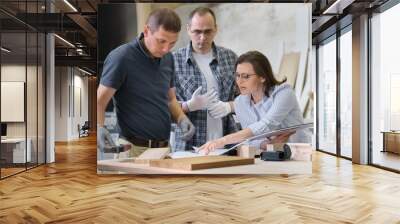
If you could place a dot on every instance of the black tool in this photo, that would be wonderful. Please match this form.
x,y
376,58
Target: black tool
x,y
116,149
277,155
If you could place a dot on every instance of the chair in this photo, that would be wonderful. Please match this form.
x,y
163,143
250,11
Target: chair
x,y
84,130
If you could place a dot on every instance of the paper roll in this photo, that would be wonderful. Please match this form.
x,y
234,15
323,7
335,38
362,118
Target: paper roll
x,y
300,151
246,151
275,147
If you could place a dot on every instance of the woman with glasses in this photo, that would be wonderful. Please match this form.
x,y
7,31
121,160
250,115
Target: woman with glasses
x,y
264,104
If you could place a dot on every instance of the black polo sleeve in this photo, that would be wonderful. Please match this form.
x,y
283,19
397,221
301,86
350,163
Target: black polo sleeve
x,y
114,73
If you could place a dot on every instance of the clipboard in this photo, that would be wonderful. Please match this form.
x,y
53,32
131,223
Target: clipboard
x,y
287,130
293,128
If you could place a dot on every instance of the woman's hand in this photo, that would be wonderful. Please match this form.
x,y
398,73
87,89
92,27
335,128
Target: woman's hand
x,y
212,145
283,138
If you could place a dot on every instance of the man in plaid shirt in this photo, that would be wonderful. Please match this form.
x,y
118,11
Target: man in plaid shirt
x,y
205,82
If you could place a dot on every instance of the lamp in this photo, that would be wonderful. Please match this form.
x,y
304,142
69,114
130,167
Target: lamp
x,y
84,71
337,7
5,50
70,5
65,41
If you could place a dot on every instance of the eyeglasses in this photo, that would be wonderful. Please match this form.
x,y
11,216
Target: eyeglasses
x,y
243,76
207,32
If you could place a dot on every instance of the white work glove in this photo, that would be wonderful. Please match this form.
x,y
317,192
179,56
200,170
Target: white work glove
x,y
219,109
200,101
186,127
104,140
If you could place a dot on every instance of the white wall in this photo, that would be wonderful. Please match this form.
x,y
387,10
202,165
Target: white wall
x,y
13,72
33,126
80,100
272,29
17,73
70,83
61,103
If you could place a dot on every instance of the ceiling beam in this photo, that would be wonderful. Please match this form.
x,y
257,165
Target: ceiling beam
x,y
83,61
74,14
337,7
86,26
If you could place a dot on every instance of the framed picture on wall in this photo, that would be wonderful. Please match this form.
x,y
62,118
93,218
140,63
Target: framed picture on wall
x,y
12,101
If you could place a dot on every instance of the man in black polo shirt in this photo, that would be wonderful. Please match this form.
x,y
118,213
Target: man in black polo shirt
x,y
138,76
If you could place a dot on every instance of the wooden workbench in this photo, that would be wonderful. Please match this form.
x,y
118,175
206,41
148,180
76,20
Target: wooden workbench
x,y
126,166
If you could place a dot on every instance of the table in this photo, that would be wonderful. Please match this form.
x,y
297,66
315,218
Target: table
x,y
391,141
126,166
13,150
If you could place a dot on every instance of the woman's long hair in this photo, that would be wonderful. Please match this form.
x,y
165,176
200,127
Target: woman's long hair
x,y
261,67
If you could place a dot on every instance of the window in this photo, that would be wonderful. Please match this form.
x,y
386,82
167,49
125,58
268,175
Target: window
x,y
327,96
22,68
346,93
385,88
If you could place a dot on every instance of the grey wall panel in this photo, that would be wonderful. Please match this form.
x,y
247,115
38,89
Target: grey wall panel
x,y
116,25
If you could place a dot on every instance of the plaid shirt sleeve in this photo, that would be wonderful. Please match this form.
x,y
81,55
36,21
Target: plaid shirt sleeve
x,y
232,91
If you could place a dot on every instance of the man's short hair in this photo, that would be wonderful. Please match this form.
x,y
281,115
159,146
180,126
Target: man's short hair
x,y
166,18
201,11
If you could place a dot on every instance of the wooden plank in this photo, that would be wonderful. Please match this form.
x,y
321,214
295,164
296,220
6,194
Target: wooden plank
x,y
152,154
203,162
289,67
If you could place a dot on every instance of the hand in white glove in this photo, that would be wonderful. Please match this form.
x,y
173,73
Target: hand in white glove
x,y
187,128
219,109
200,101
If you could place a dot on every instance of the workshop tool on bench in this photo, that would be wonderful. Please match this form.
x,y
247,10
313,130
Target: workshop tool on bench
x,y
276,155
117,148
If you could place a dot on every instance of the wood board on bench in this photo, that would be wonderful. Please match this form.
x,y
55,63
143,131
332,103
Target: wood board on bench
x,y
201,162
152,153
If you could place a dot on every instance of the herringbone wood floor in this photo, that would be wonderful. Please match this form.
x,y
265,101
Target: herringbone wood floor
x,y
70,191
